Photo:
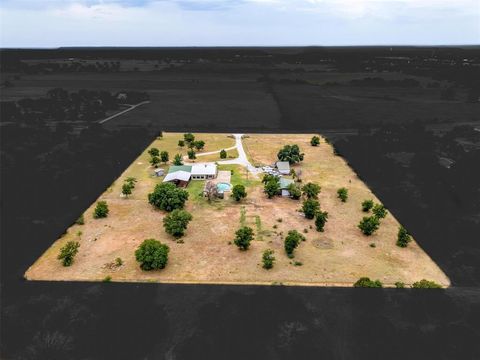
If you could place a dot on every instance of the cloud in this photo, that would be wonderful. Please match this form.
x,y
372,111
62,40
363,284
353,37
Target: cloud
x,y
243,22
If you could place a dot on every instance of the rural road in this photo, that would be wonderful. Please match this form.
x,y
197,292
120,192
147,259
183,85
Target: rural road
x,y
123,112
242,158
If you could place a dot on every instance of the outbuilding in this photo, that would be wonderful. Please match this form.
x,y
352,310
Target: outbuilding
x,y
283,167
284,184
180,178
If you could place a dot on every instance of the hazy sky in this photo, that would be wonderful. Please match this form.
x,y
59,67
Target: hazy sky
x,y
52,23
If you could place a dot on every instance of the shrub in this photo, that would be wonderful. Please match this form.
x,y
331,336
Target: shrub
x,y
191,154
315,141
403,238
272,187
367,205
295,191
379,211
177,160
181,143
290,153
268,259
199,145
369,224
238,192
68,252
176,222
269,177
152,255
297,263
342,194
164,156
426,284
310,207
154,152
132,181
80,220
399,285
189,138
367,283
292,240
154,160
223,154
243,237
311,190
126,189
101,210
107,278
166,196
118,261
320,220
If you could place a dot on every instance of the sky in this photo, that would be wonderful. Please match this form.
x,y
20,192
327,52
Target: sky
x,y
54,23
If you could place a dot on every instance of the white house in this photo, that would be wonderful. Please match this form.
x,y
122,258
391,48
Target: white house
x,y
204,171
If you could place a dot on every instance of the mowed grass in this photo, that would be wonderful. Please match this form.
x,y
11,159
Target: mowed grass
x,y
336,257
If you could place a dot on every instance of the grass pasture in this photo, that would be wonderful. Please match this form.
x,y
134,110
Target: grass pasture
x,y
336,257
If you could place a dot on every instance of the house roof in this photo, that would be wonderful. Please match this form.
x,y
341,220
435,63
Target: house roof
x,y
177,175
204,169
283,165
284,183
175,168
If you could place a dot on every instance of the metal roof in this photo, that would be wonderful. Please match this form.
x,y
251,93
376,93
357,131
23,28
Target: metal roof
x,y
177,175
204,169
283,165
285,182
175,168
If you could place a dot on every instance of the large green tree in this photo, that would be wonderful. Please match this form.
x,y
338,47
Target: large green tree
x,y
243,237
369,224
320,220
68,252
292,240
310,208
290,153
152,255
166,196
311,190
272,187
176,222
239,192
101,210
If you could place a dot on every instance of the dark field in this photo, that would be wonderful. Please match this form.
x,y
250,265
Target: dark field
x,y
394,137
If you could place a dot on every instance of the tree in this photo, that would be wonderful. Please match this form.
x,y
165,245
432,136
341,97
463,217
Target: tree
x,y
342,194
369,224
320,220
243,237
310,208
191,154
181,143
272,187
379,211
131,180
315,141
291,241
403,238
294,191
211,190
164,156
367,205
426,284
189,138
177,160
101,210
290,153
166,196
126,189
311,190
239,192
223,154
153,152
199,145
268,259
68,252
152,255
154,161
176,222
268,177
367,283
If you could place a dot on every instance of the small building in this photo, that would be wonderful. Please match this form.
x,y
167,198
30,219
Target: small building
x,y
283,167
204,171
179,178
159,172
284,183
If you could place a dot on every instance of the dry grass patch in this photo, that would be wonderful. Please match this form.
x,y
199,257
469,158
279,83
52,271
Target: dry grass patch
x,y
338,256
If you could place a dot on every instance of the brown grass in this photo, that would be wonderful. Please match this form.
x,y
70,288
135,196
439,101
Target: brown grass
x,y
337,257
